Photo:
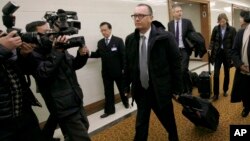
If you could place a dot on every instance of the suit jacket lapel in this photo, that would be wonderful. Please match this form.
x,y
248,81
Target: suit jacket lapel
x,y
173,27
183,25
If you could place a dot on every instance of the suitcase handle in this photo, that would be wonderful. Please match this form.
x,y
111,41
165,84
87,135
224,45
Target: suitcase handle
x,y
209,68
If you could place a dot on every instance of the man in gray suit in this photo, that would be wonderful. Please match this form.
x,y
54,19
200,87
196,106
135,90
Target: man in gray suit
x,y
181,27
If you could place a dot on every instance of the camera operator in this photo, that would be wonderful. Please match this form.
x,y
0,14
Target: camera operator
x,y
54,72
17,119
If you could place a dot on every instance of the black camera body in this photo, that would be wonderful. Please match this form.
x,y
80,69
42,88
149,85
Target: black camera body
x,y
60,20
72,42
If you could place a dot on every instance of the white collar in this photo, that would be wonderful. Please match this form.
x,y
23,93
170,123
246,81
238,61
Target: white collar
x,y
147,33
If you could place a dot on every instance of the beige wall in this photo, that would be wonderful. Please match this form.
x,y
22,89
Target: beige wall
x,y
236,19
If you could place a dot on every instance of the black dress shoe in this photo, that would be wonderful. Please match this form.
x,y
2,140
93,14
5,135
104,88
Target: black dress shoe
x,y
105,115
126,105
245,112
215,97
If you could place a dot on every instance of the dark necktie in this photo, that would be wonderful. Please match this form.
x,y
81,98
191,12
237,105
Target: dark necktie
x,y
177,32
106,41
143,64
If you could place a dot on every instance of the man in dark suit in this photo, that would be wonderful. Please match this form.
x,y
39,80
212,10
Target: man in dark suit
x,y
181,27
153,68
111,51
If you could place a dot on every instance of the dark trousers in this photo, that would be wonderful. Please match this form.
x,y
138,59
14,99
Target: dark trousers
x,y
23,128
187,82
75,126
50,127
219,60
146,100
244,85
108,82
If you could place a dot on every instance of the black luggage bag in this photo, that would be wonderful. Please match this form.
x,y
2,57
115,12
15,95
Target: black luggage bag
x,y
204,85
199,111
205,82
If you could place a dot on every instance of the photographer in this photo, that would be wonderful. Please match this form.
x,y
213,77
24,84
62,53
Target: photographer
x,y
54,72
17,119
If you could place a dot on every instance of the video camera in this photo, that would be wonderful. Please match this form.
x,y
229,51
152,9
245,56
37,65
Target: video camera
x,y
58,22
60,18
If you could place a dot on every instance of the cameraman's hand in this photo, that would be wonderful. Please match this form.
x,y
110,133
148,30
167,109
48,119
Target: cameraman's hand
x,y
26,48
10,41
244,68
209,51
60,40
84,51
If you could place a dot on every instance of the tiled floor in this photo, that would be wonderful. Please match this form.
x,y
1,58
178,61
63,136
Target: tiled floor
x,y
96,123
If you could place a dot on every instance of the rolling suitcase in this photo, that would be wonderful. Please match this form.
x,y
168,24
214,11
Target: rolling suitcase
x,y
205,82
199,111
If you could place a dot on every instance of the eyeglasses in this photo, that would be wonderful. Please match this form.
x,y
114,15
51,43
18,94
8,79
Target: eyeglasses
x,y
139,16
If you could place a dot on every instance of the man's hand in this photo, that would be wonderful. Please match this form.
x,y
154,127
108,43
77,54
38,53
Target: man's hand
x,y
26,48
84,51
244,68
60,40
10,41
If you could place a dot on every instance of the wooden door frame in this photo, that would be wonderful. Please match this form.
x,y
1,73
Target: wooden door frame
x,y
205,17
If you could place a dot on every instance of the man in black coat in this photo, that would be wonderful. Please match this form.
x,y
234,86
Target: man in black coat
x,y
111,51
221,43
17,119
153,68
185,27
54,70
240,54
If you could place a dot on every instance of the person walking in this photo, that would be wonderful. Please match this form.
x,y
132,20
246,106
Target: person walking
x,y
181,27
153,68
221,43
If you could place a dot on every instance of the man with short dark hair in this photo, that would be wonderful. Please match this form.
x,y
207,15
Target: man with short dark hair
x,y
181,27
41,27
111,51
54,71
